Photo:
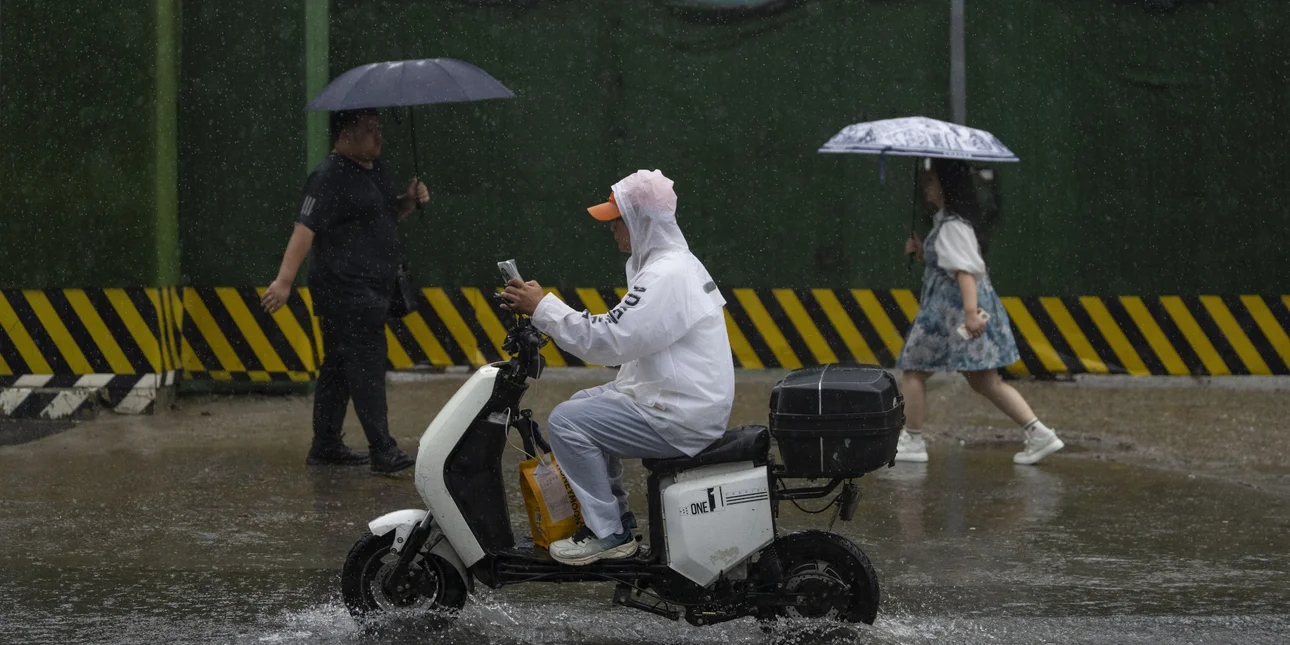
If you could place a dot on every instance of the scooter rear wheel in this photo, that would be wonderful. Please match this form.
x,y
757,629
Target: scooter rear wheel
x,y
435,585
833,574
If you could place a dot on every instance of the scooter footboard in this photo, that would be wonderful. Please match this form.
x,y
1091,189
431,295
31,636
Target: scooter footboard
x,y
402,522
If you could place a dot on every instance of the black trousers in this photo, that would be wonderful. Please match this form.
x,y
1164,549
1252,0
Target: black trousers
x,y
354,360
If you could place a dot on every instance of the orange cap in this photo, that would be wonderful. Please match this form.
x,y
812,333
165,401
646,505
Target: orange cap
x,y
606,212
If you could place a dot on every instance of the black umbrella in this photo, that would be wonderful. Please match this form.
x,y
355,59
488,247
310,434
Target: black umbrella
x,y
407,83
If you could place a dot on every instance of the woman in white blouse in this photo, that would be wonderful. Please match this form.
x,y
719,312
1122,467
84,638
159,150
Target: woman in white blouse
x,y
957,294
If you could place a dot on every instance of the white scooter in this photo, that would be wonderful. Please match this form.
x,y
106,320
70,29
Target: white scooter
x,y
716,554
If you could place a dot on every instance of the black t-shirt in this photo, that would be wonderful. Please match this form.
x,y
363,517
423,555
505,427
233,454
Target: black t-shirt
x,y
353,213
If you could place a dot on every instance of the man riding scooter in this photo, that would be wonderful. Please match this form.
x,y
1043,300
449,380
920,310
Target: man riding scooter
x,y
675,386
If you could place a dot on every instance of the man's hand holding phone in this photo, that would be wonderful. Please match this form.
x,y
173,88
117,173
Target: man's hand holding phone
x,y
521,297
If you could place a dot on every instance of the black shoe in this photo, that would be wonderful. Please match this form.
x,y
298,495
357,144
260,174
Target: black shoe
x,y
391,461
336,456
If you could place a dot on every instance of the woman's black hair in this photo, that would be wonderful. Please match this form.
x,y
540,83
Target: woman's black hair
x,y
959,189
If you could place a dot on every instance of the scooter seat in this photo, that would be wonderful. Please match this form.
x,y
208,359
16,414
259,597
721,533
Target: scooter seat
x,y
749,443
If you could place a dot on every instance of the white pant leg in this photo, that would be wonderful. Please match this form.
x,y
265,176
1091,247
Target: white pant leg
x,y
614,466
590,436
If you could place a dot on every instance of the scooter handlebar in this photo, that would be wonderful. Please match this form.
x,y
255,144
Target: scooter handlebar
x,y
523,342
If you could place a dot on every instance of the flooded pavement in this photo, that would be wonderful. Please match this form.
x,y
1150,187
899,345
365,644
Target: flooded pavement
x,y
202,525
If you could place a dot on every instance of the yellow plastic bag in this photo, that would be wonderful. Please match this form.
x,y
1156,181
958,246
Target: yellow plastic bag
x,y
553,509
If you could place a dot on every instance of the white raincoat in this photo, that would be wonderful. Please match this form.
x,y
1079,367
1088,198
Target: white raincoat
x,y
668,334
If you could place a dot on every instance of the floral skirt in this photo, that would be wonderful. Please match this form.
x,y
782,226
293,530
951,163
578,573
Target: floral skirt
x,y
934,345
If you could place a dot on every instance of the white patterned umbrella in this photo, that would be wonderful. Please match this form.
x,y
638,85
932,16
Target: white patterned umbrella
x,y
919,137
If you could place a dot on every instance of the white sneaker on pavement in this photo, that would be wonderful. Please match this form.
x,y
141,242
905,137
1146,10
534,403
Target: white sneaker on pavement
x,y
911,447
1039,444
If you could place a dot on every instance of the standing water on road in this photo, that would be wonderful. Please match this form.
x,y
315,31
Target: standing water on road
x,y
120,536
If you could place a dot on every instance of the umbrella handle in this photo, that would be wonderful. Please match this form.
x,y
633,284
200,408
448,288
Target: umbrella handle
x,y
416,163
913,214
913,235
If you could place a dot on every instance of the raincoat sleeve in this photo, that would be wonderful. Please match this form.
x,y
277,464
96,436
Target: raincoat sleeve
x,y
652,316
957,249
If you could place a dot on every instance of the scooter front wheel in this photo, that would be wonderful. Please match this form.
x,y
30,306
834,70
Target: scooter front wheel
x,y
432,584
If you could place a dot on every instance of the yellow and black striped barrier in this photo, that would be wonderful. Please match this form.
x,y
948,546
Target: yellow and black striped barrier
x,y
1167,335
65,351
113,338
89,331
227,336
790,328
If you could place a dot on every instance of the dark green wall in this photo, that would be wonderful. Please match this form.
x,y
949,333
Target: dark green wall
x,y
241,133
1149,141
732,112
506,175
1152,144
79,153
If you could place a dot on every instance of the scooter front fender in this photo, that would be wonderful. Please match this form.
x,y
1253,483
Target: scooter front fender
x,y
402,522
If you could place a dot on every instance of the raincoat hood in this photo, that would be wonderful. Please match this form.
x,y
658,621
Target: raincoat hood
x,y
648,206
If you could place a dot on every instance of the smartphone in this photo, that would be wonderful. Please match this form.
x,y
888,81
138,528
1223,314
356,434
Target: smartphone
x,y
962,330
509,271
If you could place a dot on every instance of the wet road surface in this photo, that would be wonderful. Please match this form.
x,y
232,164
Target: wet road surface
x,y
203,526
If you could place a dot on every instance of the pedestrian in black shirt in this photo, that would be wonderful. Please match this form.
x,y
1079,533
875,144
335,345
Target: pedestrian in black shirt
x,y
349,218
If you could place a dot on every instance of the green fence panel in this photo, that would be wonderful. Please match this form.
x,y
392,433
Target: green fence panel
x,y
77,120
242,144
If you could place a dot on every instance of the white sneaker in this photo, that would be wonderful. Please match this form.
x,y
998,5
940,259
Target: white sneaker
x,y
584,547
1039,444
911,448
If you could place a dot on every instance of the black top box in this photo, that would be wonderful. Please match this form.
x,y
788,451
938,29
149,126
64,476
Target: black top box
x,y
836,420
837,397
